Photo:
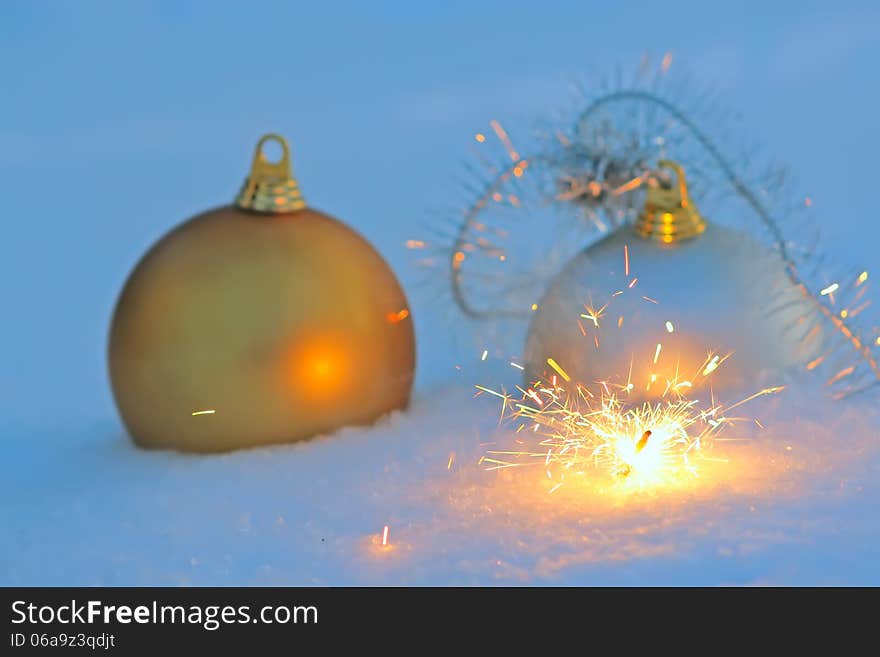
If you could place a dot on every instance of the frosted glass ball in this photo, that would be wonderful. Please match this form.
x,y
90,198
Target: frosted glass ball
x,y
720,293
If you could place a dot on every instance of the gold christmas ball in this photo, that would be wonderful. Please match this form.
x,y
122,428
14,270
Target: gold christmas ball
x,y
257,323
665,304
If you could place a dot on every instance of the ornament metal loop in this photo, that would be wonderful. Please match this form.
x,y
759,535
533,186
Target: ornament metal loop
x,y
270,187
669,215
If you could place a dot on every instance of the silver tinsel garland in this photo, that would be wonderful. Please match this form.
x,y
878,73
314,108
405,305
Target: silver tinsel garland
x,y
584,175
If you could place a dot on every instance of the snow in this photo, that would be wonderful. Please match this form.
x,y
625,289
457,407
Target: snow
x,y
85,507
97,178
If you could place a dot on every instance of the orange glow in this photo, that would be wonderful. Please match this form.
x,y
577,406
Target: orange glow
x,y
399,316
321,369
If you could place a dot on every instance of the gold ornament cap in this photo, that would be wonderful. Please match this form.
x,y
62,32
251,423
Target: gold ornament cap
x,y
669,215
270,188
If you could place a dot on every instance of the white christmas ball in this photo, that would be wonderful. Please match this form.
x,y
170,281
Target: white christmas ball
x,y
720,293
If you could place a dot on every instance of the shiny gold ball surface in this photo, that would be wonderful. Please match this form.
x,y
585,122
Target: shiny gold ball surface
x,y
240,329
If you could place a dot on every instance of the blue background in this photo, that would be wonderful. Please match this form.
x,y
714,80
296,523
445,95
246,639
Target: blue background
x,y
119,120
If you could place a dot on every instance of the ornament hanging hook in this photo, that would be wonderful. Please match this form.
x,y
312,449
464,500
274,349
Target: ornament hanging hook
x,y
669,215
270,186
261,165
684,198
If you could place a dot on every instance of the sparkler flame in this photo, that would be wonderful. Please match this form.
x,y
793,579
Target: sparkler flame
x,y
579,431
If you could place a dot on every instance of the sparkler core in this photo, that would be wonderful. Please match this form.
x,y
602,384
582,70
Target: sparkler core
x,y
643,441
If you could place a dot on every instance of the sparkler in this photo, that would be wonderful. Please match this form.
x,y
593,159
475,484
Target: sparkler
x,y
579,431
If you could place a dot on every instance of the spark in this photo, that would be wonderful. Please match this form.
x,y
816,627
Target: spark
x,y
831,289
626,260
552,363
855,311
711,366
846,371
628,186
862,278
399,316
594,315
209,411
505,139
582,432
415,244
669,327
766,391
534,395
657,352
385,532
491,392
485,354
517,365
451,461
650,300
